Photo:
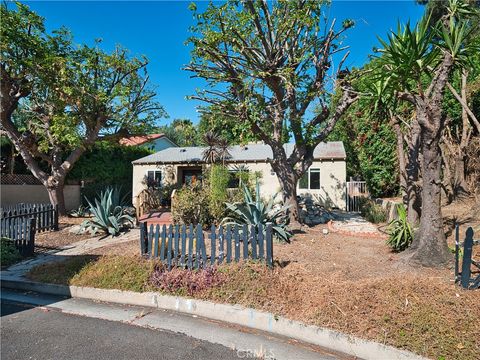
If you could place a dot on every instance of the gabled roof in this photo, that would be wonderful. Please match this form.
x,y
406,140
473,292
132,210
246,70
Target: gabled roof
x,y
240,153
135,140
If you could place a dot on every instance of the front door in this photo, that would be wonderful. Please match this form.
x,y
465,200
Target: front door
x,y
191,176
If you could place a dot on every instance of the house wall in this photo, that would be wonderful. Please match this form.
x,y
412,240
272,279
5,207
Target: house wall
x,y
332,180
15,194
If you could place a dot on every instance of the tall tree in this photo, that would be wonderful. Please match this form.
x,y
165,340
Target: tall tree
x,y
266,64
408,58
57,98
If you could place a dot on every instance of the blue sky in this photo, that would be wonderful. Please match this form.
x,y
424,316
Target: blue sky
x,y
158,30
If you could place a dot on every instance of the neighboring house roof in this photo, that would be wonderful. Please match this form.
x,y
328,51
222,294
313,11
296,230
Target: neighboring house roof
x,y
135,140
240,153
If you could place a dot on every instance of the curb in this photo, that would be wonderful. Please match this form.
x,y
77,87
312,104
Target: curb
x,y
235,314
376,235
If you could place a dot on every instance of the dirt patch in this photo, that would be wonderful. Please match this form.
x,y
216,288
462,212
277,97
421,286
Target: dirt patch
x,y
52,240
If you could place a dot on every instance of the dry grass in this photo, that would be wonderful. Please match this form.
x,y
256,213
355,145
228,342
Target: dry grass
x,y
423,314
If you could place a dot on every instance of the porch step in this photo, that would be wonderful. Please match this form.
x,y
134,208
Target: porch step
x,y
157,218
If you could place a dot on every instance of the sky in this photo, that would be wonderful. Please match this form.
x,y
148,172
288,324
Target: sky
x,y
159,29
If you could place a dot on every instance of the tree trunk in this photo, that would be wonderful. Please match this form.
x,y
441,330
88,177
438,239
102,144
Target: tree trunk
x,y
55,188
429,246
401,159
414,200
288,184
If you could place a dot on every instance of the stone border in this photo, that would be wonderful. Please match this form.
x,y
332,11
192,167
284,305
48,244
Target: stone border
x,y
234,314
377,235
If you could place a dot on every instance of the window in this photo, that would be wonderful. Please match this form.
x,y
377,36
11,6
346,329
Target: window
x,y
236,177
154,178
310,180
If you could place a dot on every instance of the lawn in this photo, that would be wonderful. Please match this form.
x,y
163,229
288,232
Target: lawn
x,y
354,285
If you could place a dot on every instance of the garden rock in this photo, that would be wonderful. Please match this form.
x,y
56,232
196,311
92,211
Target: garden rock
x,y
312,213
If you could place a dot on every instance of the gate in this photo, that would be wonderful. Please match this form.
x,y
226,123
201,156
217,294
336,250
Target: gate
x,y
354,191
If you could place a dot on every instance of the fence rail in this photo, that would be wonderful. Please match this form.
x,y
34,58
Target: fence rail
x,y
46,215
187,246
21,230
464,275
354,191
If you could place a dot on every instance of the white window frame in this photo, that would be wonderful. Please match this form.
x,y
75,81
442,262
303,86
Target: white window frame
x,y
307,173
154,173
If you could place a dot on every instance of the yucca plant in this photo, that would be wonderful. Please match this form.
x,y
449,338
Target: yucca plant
x,y
253,211
400,233
108,216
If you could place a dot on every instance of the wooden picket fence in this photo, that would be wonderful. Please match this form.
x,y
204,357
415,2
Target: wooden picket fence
x,y
21,230
184,246
46,215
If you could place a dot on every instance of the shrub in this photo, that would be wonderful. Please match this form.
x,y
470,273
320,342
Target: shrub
x,y
253,211
218,179
372,212
9,254
100,167
109,216
191,205
400,233
185,282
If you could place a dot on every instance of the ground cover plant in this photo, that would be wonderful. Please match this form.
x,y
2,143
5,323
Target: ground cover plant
x,y
9,254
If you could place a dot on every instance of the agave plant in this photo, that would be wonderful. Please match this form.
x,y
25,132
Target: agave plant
x,y
253,211
108,216
400,233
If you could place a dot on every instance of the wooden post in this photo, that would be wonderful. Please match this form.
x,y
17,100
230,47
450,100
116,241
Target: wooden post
x,y
31,236
143,238
457,250
269,243
55,224
467,258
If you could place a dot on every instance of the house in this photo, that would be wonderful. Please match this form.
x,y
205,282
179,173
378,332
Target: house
x,y
323,182
155,142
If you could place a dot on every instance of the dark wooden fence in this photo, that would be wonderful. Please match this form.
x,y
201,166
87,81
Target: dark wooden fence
x,y
20,223
21,230
186,246
46,215
465,275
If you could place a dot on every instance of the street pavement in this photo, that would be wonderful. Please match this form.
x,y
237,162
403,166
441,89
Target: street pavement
x,y
38,333
40,326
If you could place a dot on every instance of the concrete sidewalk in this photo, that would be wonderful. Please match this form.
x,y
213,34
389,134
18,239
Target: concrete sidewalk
x,y
17,271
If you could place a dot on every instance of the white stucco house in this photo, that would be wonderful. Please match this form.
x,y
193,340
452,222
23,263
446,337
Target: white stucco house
x,y
324,181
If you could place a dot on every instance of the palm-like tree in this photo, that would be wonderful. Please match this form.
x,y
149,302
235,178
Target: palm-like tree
x,y
217,148
415,65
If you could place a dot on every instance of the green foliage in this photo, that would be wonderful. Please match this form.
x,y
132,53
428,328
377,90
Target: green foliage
x,y
253,211
400,233
191,205
218,179
8,253
106,164
372,212
81,211
182,132
109,214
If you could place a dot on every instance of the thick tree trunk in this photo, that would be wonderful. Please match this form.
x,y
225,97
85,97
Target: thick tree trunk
x,y
413,196
401,159
429,247
288,184
55,192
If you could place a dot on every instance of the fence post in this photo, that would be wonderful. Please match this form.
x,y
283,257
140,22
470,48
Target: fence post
x,y
457,250
143,238
55,218
269,244
31,236
467,258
